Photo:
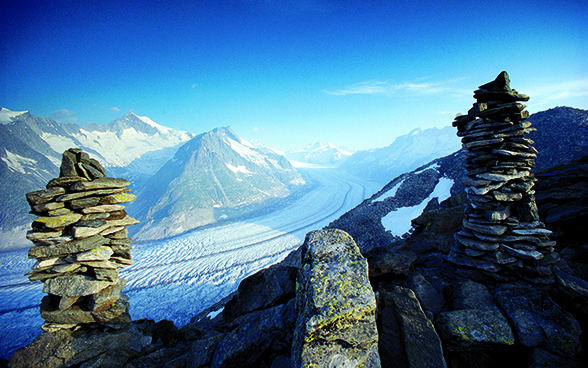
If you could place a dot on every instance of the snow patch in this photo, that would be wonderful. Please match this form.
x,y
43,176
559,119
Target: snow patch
x,y
6,116
238,169
398,222
213,314
389,193
16,162
433,165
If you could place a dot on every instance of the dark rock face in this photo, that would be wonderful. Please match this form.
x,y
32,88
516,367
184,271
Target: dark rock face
x,y
93,348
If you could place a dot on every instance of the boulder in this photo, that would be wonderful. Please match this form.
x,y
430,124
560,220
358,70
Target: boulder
x,y
474,329
538,321
420,340
65,348
266,288
259,336
336,323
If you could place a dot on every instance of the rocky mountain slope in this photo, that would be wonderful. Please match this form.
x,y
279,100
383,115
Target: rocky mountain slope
x,y
215,176
31,148
405,154
406,196
317,153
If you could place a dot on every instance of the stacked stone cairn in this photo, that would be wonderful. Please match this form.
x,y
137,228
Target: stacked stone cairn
x,y
80,243
502,235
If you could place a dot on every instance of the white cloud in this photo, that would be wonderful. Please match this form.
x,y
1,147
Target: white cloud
x,y
115,109
64,116
565,93
376,87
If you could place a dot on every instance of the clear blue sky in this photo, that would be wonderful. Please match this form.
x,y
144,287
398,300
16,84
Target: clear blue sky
x,y
356,73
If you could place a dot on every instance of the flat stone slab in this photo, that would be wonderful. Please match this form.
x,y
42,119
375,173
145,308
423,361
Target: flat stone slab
x,y
74,285
474,329
100,183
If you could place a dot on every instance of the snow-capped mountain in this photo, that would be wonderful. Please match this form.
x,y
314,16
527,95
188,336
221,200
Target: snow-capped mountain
x,y
326,155
215,176
31,149
405,154
6,116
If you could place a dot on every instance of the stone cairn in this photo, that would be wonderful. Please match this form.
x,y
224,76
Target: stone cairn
x,y
80,243
502,235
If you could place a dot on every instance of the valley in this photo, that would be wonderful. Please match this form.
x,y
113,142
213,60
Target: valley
x,y
178,277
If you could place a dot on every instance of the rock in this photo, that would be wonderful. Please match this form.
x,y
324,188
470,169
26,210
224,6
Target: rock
x,y
541,358
538,320
58,222
421,342
107,296
474,329
74,285
575,288
336,305
65,348
390,341
100,253
100,183
266,288
71,247
398,262
258,334
43,196
471,295
431,300
202,351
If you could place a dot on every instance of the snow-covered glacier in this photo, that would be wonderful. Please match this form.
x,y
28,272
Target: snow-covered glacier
x,y
177,278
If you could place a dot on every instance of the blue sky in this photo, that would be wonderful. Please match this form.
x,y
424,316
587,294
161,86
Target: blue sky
x,y
286,73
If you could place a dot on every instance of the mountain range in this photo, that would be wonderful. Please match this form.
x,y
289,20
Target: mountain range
x,y
215,176
406,153
319,154
388,216
31,149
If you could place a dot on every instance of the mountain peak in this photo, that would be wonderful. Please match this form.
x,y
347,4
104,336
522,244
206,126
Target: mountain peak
x,y
6,115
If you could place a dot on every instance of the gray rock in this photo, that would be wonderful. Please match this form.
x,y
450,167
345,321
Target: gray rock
x,y
65,348
64,249
257,334
421,342
398,262
202,351
336,305
431,300
74,285
107,296
532,311
266,288
474,329
575,288
100,183
471,295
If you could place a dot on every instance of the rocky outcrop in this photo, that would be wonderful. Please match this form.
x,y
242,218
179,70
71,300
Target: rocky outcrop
x,y
80,243
336,325
502,233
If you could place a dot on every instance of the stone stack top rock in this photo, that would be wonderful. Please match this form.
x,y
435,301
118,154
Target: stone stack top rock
x,y
80,244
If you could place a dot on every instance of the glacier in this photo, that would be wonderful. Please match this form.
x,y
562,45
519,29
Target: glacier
x,y
178,277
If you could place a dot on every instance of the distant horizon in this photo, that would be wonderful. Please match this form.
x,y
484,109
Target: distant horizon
x,y
262,142
287,73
